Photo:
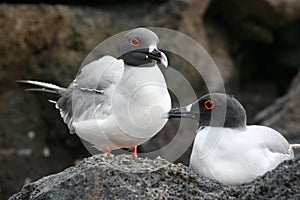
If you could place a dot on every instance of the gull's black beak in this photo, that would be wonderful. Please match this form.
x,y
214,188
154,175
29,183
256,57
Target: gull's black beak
x,y
144,56
158,56
181,112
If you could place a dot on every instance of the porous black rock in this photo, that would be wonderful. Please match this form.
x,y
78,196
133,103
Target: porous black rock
x,y
121,177
281,183
124,177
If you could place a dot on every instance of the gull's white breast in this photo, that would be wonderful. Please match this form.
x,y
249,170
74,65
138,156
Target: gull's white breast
x,y
136,105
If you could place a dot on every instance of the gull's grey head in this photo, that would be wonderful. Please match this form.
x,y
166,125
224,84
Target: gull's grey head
x,y
139,48
202,110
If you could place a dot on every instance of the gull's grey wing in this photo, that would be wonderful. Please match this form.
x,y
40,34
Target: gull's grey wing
x,y
90,91
276,143
99,74
272,142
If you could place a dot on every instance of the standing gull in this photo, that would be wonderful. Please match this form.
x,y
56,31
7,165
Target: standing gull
x,y
116,103
225,148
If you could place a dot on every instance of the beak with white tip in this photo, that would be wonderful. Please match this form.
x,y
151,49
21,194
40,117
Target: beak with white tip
x,y
181,112
158,56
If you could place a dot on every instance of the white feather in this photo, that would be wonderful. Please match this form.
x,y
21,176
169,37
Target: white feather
x,y
42,84
233,156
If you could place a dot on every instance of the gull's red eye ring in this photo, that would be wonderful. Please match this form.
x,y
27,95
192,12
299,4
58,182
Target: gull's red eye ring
x,y
209,104
134,42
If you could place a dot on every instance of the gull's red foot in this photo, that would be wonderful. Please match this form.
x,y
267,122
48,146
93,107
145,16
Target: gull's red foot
x,y
134,152
106,151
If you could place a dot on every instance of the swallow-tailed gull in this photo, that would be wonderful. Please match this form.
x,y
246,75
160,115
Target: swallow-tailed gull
x,y
117,102
225,148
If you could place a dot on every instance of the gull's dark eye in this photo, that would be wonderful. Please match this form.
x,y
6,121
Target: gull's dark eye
x,y
209,104
134,42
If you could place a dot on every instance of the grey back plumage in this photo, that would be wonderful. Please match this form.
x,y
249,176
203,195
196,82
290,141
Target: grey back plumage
x,y
90,91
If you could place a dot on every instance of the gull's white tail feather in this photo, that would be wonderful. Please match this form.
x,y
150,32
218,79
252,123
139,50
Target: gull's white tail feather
x,y
45,87
41,90
295,146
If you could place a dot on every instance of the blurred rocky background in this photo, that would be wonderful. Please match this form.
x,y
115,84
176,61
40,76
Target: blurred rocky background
x,y
255,44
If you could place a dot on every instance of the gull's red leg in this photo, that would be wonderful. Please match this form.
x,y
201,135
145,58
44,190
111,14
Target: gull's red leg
x,y
134,152
106,151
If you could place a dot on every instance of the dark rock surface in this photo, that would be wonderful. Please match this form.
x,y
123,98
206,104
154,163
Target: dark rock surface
x,y
263,44
123,177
